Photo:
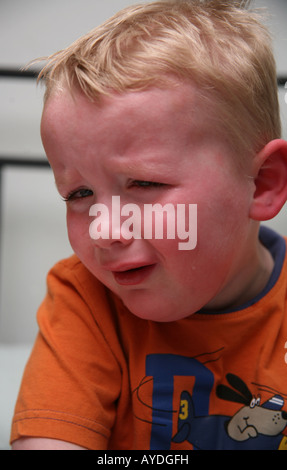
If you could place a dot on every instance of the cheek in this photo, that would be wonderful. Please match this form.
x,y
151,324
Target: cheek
x,y
224,210
78,231
178,265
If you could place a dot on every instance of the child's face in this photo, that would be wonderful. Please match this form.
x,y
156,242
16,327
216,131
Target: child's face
x,y
118,148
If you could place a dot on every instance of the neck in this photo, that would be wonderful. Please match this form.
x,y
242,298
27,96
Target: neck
x,y
249,282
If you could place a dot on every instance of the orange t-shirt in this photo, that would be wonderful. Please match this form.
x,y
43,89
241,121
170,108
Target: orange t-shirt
x,y
102,378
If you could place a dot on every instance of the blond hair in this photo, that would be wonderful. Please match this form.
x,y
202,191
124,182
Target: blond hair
x,y
221,46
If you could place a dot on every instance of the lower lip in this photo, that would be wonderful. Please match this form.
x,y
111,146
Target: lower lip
x,y
133,277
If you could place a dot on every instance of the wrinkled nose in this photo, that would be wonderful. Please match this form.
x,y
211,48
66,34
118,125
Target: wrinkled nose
x,y
108,226
284,415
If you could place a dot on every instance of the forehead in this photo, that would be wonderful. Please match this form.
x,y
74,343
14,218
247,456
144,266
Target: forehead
x,y
147,126
175,107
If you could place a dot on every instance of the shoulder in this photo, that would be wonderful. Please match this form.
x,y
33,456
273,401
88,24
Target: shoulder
x,y
70,267
71,273
71,287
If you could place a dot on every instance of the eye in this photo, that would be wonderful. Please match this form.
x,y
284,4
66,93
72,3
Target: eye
x,y
78,194
142,184
255,402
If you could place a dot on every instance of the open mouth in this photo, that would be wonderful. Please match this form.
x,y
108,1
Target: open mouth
x,y
133,276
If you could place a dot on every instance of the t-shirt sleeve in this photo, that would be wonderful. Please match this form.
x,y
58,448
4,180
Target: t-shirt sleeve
x,y
72,380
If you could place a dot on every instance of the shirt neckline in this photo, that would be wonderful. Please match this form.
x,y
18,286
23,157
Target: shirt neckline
x,y
276,245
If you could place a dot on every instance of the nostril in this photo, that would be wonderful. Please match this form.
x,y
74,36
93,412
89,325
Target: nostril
x,y
284,415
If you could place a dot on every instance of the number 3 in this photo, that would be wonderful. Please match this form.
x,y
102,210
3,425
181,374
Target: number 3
x,y
183,409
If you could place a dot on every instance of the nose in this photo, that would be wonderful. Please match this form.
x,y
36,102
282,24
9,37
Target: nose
x,y
116,238
106,228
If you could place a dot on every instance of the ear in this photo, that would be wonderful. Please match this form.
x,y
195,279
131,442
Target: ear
x,y
270,180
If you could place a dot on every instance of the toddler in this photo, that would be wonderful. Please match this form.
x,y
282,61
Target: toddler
x,y
167,328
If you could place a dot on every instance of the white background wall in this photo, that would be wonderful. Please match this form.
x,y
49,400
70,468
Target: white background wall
x,y
34,234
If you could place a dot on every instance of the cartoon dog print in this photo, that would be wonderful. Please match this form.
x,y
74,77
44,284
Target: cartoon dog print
x,y
253,427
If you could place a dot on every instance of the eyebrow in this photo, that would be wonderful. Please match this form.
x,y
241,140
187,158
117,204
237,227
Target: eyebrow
x,y
145,165
61,183
57,185
66,178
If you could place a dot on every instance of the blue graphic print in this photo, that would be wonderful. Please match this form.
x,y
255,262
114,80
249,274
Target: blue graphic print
x,y
254,426
163,368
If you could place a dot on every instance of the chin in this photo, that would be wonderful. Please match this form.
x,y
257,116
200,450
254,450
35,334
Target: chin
x,y
158,313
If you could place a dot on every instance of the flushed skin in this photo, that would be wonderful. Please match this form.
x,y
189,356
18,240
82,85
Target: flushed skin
x,y
164,136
